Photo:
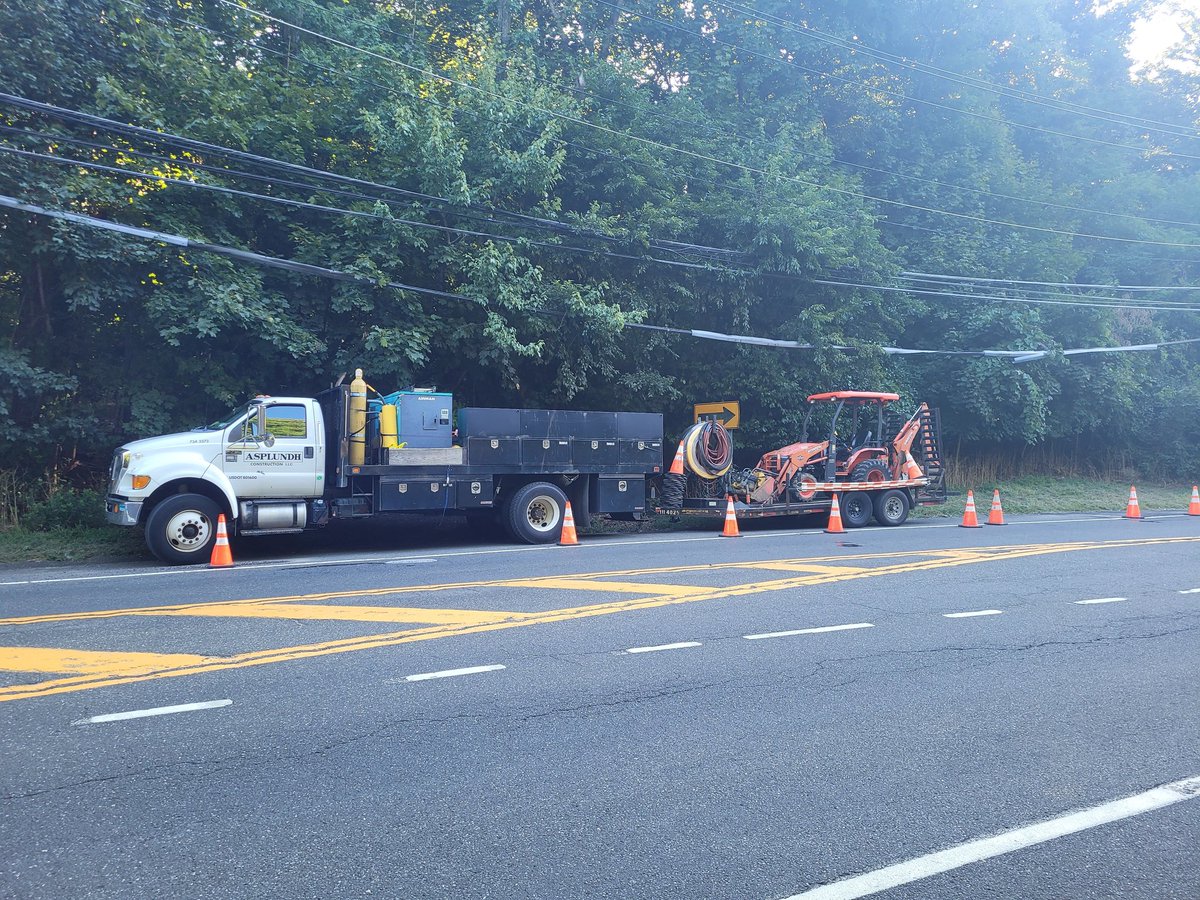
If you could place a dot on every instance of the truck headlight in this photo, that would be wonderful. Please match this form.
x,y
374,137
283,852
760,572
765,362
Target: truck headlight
x,y
125,457
140,481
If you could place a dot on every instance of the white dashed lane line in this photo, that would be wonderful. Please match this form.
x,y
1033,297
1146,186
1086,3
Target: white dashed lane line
x,y
824,629
680,646
972,614
1018,839
1191,591
453,673
1100,600
156,711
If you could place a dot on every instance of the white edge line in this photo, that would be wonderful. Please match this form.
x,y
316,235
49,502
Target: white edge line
x,y
1018,839
541,548
1101,600
156,711
678,646
451,673
968,615
822,630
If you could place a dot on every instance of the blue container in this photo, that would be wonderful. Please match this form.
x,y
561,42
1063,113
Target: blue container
x,y
423,417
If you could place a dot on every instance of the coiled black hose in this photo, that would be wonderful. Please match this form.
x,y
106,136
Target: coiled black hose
x,y
707,450
673,487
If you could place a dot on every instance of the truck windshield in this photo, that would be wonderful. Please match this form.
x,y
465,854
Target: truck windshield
x,y
223,423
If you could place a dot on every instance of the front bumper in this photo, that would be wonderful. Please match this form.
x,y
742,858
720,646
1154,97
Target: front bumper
x,y
120,511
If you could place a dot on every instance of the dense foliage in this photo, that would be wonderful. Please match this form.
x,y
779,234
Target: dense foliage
x,y
571,170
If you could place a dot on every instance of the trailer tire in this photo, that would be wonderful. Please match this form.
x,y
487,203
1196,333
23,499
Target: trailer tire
x,y
856,509
892,507
534,514
182,529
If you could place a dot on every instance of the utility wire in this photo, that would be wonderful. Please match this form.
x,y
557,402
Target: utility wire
x,y
1017,356
711,129
337,275
963,296
880,90
694,154
1014,93
300,204
926,276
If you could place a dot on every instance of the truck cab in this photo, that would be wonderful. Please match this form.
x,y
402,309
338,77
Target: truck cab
x,y
262,467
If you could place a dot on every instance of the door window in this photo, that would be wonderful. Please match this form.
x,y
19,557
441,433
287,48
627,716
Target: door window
x,y
287,421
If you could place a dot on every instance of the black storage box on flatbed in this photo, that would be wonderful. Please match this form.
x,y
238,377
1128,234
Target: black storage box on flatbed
x,y
561,440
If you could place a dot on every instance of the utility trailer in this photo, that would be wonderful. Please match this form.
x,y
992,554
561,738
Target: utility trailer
x,y
872,477
283,465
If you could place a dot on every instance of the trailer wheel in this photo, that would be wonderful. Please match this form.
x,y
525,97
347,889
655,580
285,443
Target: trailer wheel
x,y
856,509
535,513
891,507
182,529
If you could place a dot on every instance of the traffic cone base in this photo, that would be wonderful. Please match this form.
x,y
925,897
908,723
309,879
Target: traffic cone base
x,y
1194,506
996,515
835,518
1132,509
568,537
969,518
731,525
222,556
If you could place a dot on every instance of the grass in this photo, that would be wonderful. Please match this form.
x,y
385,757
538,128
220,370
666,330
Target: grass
x,y
19,545
1048,494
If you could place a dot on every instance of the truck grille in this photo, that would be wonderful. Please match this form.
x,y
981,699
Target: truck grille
x,y
116,472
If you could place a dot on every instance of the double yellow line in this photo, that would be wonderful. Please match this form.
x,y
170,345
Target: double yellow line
x,y
656,595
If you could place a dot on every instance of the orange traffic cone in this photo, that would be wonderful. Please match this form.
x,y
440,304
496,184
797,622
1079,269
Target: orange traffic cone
x,y
996,516
835,518
969,519
221,557
911,469
568,537
731,526
677,465
1194,506
1132,510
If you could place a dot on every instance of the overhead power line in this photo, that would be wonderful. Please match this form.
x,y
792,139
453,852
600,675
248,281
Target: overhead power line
x,y
1017,356
1060,105
927,276
741,48
691,153
354,213
889,289
337,275
257,259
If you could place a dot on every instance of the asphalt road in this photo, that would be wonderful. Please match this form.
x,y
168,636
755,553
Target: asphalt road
x,y
737,752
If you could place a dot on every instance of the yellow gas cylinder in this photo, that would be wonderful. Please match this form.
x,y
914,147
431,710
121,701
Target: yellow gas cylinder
x,y
389,434
358,419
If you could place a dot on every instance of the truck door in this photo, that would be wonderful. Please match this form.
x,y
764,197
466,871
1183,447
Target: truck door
x,y
285,462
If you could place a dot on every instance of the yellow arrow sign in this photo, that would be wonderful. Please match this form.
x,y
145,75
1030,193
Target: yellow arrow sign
x,y
728,413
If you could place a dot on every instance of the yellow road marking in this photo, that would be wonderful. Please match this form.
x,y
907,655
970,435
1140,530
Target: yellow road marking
x,y
807,567
609,587
347,613
327,648
91,662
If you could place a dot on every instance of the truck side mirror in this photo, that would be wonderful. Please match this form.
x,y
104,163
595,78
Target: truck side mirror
x,y
263,436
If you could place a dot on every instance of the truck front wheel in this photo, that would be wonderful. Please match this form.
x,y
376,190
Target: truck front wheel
x,y
182,529
534,514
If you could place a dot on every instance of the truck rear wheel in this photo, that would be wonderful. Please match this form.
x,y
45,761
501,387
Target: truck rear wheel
x,y
182,529
534,514
856,509
891,507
